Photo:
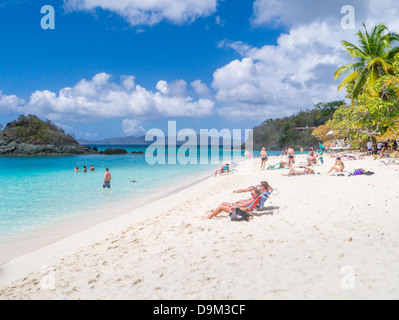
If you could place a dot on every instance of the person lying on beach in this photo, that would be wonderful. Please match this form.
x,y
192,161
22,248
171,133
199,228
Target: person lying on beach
x,y
280,165
265,184
243,205
350,157
338,166
294,172
224,169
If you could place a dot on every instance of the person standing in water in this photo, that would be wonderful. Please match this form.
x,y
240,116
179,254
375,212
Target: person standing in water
x,y
92,168
107,179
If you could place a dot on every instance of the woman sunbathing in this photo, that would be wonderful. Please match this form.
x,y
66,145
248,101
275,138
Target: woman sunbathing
x,y
338,166
242,204
263,183
294,172
280,165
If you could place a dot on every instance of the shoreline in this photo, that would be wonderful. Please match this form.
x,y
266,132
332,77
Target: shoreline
x,y
296,249
77,222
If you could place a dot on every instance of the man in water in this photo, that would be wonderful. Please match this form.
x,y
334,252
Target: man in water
x,y
107,179
92,168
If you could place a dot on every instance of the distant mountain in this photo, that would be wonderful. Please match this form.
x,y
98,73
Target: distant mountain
x,y
135,141
128,141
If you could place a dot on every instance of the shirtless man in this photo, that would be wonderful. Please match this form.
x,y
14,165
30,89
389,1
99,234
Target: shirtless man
x,y
107,179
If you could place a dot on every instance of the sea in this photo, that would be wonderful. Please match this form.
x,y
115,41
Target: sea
x,y
40,194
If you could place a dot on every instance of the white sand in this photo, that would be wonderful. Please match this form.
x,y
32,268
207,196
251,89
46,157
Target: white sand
x,y
295,250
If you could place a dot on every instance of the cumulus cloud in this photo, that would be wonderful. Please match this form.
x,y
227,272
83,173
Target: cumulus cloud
x,y
103,98
274,81
10,103
200,88
297,72
148,12
132,127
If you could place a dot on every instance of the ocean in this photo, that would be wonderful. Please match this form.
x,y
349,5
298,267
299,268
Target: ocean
x,y
44,192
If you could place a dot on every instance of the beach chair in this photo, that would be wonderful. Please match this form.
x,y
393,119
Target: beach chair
x,y
241,214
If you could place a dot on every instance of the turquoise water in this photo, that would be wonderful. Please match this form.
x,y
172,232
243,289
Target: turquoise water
x,y
37,191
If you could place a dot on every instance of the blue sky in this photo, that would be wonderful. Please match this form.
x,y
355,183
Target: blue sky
x,y
123,67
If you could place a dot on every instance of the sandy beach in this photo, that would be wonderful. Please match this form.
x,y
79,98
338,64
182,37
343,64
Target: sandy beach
x,y
321,237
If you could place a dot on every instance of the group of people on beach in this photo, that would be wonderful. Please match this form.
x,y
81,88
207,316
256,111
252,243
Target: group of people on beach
x,y
383,150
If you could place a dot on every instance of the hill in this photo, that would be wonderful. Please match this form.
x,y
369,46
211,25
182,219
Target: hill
x,y
295,131
28,135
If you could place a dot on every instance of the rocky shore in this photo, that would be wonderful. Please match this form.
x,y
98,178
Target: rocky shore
x,y
28,135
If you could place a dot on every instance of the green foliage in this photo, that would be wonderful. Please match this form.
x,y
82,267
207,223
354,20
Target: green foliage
x,y
373,87
370,116
281,133
30,129
373,59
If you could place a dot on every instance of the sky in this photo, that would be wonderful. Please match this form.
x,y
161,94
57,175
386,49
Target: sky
x,y
112,68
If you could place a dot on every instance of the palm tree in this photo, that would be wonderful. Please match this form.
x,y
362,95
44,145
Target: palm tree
x,y
373,59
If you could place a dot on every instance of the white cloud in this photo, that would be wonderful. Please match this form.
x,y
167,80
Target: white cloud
x,y
102,98
10,103
297,72
200,88
132,127
274,81
148,12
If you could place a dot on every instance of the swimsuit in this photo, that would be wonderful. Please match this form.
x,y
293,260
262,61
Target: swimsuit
x,y
107,184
